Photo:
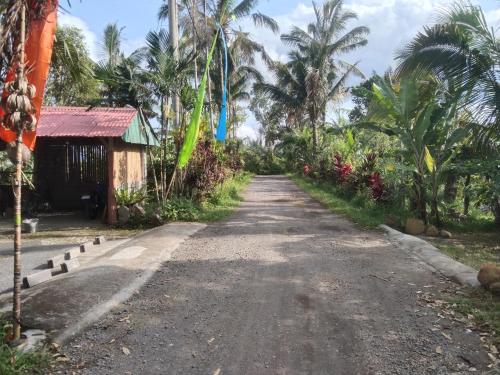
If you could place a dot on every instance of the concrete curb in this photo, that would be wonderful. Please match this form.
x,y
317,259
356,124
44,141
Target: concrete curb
x,y
183,231
449,267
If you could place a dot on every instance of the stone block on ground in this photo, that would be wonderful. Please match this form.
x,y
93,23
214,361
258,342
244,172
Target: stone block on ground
x,y
123,214
54,262
414,226
137,210
445,234
84,247
72,253
99,240
432,231
37,278
70,265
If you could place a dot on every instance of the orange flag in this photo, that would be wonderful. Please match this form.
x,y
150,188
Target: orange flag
x,y
39,44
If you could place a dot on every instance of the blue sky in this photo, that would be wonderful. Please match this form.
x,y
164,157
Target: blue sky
x,y
392,23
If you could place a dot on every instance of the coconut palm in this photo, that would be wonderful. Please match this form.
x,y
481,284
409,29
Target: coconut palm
x,y
463,50
71,80
316,75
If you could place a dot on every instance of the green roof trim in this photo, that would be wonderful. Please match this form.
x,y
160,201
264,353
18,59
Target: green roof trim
x,y
137,134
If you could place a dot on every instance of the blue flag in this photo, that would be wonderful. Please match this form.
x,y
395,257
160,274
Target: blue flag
x,y
222,127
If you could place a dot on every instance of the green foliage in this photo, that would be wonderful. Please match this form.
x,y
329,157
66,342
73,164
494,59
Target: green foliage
x,y
180,209
129,196
261,160
357,207
13,362
71,81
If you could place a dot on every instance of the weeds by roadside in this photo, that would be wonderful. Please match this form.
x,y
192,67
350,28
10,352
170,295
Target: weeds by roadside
x,y
364,212
13,362
219,203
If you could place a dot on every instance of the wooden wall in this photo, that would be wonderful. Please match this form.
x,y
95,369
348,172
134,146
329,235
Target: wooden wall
x,y
128,165
67,168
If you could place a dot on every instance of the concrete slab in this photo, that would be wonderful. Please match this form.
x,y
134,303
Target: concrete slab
x,y
72,253
70,302
84,247
56,261
99,240
37,278
70,265
449,267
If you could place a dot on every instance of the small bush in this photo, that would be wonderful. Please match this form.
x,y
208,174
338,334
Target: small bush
x,y
13,362
180,209
129,196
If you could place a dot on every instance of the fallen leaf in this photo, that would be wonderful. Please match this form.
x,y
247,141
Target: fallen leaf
x,y
125,350
112,341
211,340
493,349
439,350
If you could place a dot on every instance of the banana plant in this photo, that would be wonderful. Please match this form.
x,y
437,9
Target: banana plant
x,y
412,112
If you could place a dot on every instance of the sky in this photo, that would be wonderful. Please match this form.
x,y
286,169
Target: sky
x,y
392,23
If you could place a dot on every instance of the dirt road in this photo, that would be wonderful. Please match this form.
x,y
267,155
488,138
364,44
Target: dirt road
x,y
282,287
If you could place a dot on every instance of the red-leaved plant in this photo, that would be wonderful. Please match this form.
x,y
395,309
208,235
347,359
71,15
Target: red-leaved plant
x,y
307,169
379,192
342,170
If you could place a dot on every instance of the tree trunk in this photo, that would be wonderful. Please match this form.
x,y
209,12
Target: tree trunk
x,y
16,303
150,154
450,188
315,138
174,37
496,210
209,81
466,195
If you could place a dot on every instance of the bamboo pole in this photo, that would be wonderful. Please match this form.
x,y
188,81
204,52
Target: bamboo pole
x,y
16,305
209,81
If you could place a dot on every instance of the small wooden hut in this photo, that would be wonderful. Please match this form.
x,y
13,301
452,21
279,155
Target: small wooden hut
x,y
79,150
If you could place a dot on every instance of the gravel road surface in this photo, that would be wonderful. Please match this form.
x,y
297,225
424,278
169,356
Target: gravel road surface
x,y
282,287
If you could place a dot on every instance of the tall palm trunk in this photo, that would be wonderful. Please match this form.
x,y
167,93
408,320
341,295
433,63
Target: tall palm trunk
x,y
467,195
16,305
209,81
314,125
174,37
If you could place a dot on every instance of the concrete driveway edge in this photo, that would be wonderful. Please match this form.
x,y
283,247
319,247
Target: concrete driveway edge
x,y
447,266
182,232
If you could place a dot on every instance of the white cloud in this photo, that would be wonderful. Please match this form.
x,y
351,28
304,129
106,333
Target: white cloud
x,y
392,24
66,19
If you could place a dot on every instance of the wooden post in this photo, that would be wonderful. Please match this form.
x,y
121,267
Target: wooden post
x,y
16,303
111,205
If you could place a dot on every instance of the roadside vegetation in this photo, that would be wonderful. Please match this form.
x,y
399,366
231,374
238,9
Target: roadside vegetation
x,y
421,142
14,362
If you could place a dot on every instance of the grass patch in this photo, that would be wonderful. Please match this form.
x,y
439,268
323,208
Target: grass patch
x,y
361,210
226,197
484,308
473,249
13,362
219,204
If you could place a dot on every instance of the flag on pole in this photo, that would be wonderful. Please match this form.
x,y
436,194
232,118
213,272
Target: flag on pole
x,y
38,49
193,128
222,127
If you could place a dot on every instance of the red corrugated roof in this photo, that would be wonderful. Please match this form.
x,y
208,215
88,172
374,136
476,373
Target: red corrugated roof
x,y
81,122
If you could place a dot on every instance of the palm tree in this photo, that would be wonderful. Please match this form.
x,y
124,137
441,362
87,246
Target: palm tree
x,y
71,80
167,76
315,75
465,52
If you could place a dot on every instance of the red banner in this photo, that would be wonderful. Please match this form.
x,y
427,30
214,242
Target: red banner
x,y
39,44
